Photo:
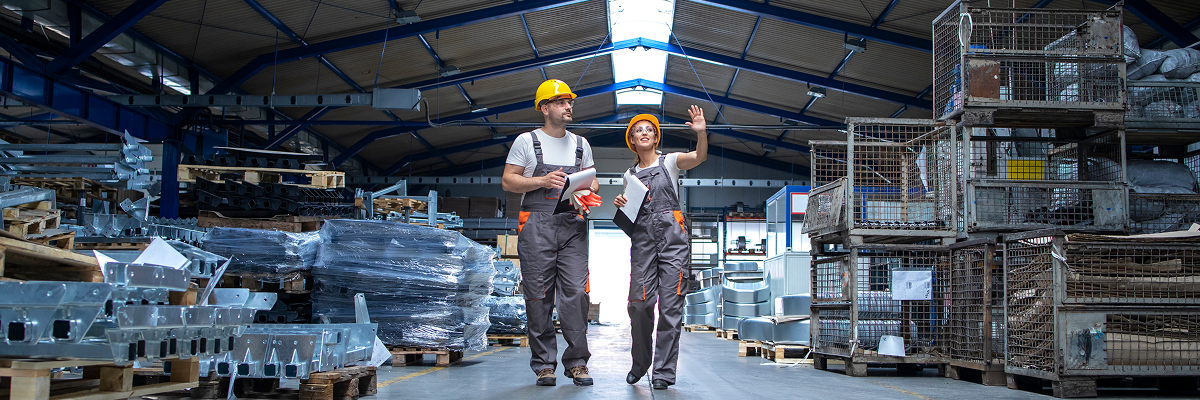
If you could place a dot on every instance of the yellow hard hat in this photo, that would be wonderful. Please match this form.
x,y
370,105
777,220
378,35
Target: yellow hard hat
x,y
549,90
640,118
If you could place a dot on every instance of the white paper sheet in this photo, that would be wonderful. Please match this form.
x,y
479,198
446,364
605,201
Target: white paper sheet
x,y
635,194
891,346
912,285
159,252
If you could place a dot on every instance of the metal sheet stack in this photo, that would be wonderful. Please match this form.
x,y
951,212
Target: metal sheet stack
x,y
507,307
424,286
789,325
744,300
257,251
703,307
109,163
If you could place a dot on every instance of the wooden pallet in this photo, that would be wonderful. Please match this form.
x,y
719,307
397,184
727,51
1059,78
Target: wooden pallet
x,y
347,383
856,365
33,380
284,223
54,238
299,282
780,353
70,190
111,246
727,334
748,348
508,340
31,219
319,179
406,356
698,328
24,260
990,374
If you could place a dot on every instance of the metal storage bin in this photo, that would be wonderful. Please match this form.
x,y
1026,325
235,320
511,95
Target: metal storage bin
x,y
1022,179
991,59
974,292
1078,309
893,178
1163,105
1154,213
853,306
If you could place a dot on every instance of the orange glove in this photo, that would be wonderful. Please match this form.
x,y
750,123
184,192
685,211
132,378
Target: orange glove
x,y
585,199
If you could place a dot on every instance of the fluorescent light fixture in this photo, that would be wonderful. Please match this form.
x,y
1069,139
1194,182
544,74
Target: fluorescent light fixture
x,y
857,45
768,148
816,91
407,17
642,97
449,70
633,19
478,108
498,136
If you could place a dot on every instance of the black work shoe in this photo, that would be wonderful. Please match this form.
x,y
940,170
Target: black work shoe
x,y
632,379
545,377
659,384
579,375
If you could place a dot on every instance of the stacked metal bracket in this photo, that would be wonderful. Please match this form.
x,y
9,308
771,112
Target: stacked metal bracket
x,y
124,319
292,199
121,162
295,351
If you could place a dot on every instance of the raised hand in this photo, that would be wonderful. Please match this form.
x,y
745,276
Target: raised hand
x,y
698,124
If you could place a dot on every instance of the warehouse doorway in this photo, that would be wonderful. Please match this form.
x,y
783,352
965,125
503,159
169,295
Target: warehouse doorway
x,y
608,263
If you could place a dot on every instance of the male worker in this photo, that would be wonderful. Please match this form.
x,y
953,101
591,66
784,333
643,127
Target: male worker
x,y
553,247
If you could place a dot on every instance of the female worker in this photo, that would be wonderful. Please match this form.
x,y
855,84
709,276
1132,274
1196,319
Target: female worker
x,y
660,253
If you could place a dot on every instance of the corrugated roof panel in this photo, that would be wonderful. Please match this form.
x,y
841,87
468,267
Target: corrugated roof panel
x,y
711,28
505,89
891,68
332,19
483,44
841,105
405,60
770,91
715,78
595,71
569,27
914,17
862,13
795,46
298,77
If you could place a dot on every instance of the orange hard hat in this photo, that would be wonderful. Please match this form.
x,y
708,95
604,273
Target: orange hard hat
x,y
640,118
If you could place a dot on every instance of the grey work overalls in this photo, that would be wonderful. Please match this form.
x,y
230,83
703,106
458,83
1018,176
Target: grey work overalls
x,y
554,260
658,258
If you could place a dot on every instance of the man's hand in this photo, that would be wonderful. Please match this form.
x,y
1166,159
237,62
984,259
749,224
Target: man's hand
x,y
620,200
554,179
584,200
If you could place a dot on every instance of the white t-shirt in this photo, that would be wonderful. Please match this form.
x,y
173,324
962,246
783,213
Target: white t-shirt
x,y
555,151
670,166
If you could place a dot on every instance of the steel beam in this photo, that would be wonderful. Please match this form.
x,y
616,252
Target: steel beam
x,y
745,105
50,94
374,37
287,134
1158,43
20,53
823,23
102,35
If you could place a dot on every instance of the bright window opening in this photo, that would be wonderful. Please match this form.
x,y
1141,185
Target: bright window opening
x,y
632,19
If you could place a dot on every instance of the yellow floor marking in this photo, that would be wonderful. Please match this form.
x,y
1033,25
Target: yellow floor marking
x,y
434,369
903,391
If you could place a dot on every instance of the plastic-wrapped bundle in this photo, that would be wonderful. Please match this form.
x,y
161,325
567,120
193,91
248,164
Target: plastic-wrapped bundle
x,y
424,286
256,251
507,314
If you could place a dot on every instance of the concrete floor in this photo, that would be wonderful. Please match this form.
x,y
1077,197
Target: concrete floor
x,y
709,368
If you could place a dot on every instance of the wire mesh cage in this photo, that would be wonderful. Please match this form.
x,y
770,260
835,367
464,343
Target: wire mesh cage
x,y
1008,57
1026,178
898,174
1085,305
1162,212
974,293
879,290
1163,104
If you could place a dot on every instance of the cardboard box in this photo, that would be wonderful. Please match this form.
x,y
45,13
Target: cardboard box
x,y
512,204
484,207
507,245
457,205
594,312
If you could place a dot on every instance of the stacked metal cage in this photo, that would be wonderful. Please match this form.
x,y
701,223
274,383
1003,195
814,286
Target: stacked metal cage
x,y
890,178
1163,104
973,284
854,309
1026,178
1002,65
1081,307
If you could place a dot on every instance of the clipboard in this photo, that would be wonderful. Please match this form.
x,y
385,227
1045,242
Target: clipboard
x,y
635,195
576,181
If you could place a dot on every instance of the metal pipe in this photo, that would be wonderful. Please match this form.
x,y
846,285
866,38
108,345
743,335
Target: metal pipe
x,y
516,124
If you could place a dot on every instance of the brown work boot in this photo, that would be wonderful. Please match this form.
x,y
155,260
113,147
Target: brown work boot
x,y
579,375
545,377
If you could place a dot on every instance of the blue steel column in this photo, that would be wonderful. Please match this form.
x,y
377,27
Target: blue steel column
x,y
168,204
